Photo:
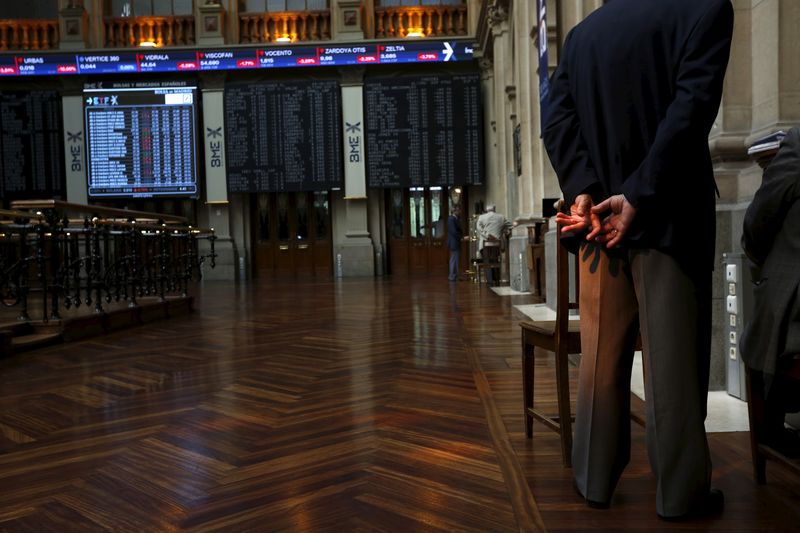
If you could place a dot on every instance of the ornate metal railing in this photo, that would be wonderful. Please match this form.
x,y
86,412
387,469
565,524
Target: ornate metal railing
x,y
426,21
122,32
294,26
23,34
101,256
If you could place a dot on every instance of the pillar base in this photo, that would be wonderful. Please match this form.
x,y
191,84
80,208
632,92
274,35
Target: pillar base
x,y
354,260
228,265
518,263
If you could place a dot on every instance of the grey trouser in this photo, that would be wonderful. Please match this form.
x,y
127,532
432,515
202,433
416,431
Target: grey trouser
x,y
455,256
619,293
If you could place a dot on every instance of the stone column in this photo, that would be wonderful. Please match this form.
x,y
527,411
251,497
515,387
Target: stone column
x,y
369,20
728,138
232,22
75,160
489,123
569,14
354,251
216,212
97,29
776,70
496,181
526,82
512,179
526,61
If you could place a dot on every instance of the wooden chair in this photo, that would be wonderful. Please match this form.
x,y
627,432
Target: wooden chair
x,y
562,337
756,404
481,269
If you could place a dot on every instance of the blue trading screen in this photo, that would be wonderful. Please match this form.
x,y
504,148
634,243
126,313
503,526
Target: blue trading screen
x,y
163,60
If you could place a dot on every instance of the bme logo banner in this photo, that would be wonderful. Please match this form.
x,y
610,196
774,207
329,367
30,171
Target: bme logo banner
x,y
353,132
75,141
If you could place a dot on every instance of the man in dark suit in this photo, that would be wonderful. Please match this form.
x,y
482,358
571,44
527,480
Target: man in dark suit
x,y
630,107
454,236
771,239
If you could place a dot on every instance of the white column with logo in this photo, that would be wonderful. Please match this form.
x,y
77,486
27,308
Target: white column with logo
x,y
354,252
217,210
75,160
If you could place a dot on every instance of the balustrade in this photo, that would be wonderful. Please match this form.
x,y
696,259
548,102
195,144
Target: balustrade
x,y
102,256
127,32
295,26
428,21
21,34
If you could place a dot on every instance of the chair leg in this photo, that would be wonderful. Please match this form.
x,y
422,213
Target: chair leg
x,y
527,386
755,410
564,410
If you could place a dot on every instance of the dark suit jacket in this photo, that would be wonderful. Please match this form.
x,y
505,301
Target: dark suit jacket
x,y
771,239
454,233
630,107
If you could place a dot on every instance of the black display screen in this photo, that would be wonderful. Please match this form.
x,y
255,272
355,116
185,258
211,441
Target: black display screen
x,y
31,145
423,130
141,142
283,136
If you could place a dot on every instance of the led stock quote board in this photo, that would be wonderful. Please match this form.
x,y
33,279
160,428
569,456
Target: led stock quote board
x,y
31,146
141,142
423,130
283,136
171,60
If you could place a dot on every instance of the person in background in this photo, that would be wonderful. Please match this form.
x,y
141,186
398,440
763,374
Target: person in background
x,y
454,236
630,108
771,240
491,226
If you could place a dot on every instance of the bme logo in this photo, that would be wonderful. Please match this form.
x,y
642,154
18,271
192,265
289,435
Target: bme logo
x,y
75,140
215,147
354,141
216,153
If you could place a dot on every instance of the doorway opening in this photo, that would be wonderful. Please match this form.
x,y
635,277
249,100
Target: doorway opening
x,y
292,234
417,229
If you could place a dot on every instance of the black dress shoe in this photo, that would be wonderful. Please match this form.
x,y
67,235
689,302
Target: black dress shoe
x,y
711,505
589,503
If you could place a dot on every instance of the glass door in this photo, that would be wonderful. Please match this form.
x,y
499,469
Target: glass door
x,y
417,227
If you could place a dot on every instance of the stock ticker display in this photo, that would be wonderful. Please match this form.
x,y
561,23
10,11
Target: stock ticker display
x,y
158,60
423,130
141,141
283,136
31,145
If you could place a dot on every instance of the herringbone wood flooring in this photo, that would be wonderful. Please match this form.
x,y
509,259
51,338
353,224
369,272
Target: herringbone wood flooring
x,y
317,406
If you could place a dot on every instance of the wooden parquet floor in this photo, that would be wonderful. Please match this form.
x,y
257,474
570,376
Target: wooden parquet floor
x,y
362,405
